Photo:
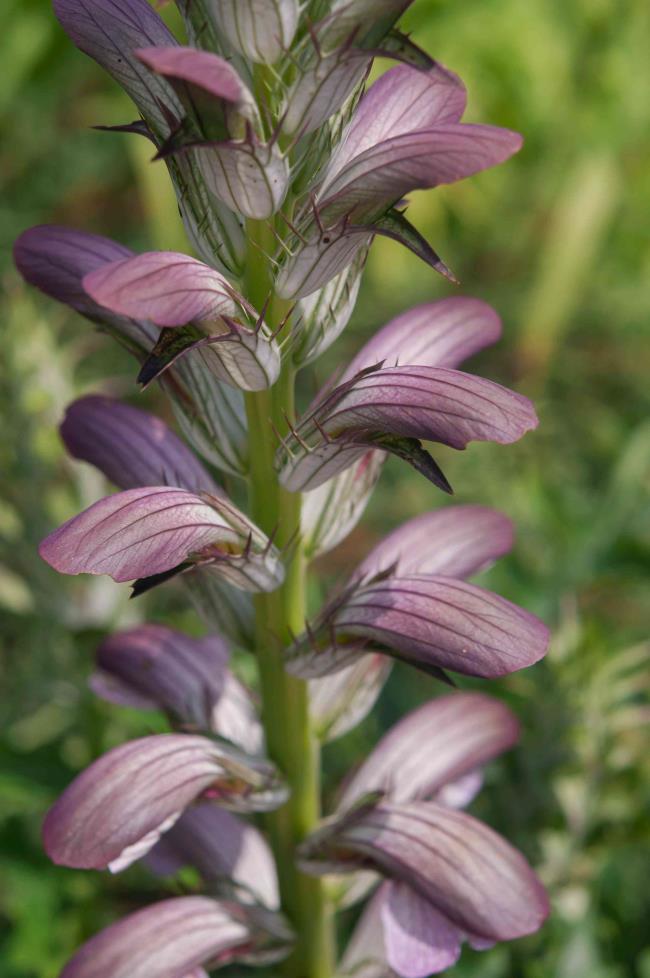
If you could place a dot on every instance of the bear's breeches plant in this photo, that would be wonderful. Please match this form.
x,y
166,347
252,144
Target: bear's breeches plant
x,y
286,165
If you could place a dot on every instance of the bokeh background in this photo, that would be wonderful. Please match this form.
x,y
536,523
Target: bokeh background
x,y
558,241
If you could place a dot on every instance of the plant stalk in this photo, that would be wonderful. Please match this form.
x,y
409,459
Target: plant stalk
x,y
280,615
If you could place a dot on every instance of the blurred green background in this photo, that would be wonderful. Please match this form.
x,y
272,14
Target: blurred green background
x,y
557,240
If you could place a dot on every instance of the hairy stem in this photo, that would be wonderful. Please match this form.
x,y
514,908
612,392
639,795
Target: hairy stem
x,y
279,616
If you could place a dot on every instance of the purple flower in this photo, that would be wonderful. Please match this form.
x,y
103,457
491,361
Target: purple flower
x,y
435,334
117,809
56,259
432,751
431,621
171,289
248,175
230,854
393,409
143,533
174,938
450,878
131,447
153,667
405,135
467,540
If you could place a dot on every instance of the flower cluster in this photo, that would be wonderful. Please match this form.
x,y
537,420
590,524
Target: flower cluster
x,y
285,169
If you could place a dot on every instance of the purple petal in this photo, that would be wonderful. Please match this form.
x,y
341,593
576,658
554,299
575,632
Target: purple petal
x,y
465,870
427,158
365,953
222,847
461,792
131,447
144,532
166,287
435,334
446,623
171,939
110,31
457,541
186,677
261,30
434,623
203,69
116,810
381,407
401,101
438,743
341,701
419,940
55,260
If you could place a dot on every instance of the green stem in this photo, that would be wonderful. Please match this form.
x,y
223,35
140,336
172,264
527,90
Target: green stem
x,y
279,616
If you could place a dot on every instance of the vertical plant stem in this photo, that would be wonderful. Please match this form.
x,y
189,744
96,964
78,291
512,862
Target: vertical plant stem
x,y
279,616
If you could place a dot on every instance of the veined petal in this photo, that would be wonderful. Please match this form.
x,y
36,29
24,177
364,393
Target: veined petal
x,y
173,290
225,849
187,677
250,177
141,533
55,259
211,416
116,810
166,287
330,512
201,70
434,334
457,541
401,101
416,160
434,623
432,746
465,870
341,701
385,406
110,31
365,953
446,623
261,30
174,938
131,447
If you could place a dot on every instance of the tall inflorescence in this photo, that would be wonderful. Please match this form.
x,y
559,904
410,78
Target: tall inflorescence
x,y
285,169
